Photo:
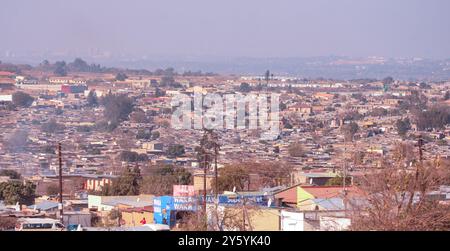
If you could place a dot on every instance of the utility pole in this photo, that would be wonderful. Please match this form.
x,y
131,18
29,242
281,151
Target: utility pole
x,y
344,172
344,178
243,213
205,165
203,159
420,144
204,181
215,140
216,187
61,210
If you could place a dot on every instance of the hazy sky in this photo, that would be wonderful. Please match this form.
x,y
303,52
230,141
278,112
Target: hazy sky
x,y
229,28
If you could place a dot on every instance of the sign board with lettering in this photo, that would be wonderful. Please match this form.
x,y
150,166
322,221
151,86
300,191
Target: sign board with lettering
x,y
185,203
162,210
260,200
164,207
183,190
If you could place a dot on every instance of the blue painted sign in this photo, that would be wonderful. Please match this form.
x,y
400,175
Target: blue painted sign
x,y
165,207
162,207
260,200
185,203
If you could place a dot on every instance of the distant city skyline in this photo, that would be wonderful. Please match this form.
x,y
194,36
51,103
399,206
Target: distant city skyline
x,y
226,29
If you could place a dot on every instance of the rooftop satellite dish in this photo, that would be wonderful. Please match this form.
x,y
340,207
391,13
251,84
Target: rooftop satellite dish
x,y
17,207
234,189
269,202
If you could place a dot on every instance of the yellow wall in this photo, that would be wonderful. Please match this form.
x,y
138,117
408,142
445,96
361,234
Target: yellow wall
x,y
265,220
261,219
303,199
134,218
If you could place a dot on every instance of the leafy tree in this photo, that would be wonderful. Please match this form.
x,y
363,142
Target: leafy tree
x,y
175,150
92,99
245,87
351,115
388,81
117,107
51,126
84,128
296,150
16,141
159,92
403,126
424,85
155,135
415,102
167,81
139,117
349,130
45,63
168,78
162,179
106,125
271,173
10,173
12,192
436,117
339,181
22,99
232,176
121,76
183,177
144,134
267,76
286,123
276,149
447,95
79,65
59,111
52,189
358,157
130,156
378,112
128,183
60,69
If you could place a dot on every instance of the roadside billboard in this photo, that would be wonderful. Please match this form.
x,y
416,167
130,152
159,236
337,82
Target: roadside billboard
x,y
183,190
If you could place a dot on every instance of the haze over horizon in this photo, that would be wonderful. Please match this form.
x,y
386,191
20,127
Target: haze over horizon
x,y
226,29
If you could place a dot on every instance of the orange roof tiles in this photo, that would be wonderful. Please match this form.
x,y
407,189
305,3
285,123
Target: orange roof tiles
x,y
331,191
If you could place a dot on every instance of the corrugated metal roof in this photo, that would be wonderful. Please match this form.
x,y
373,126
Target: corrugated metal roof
x,y
45,205
330,204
